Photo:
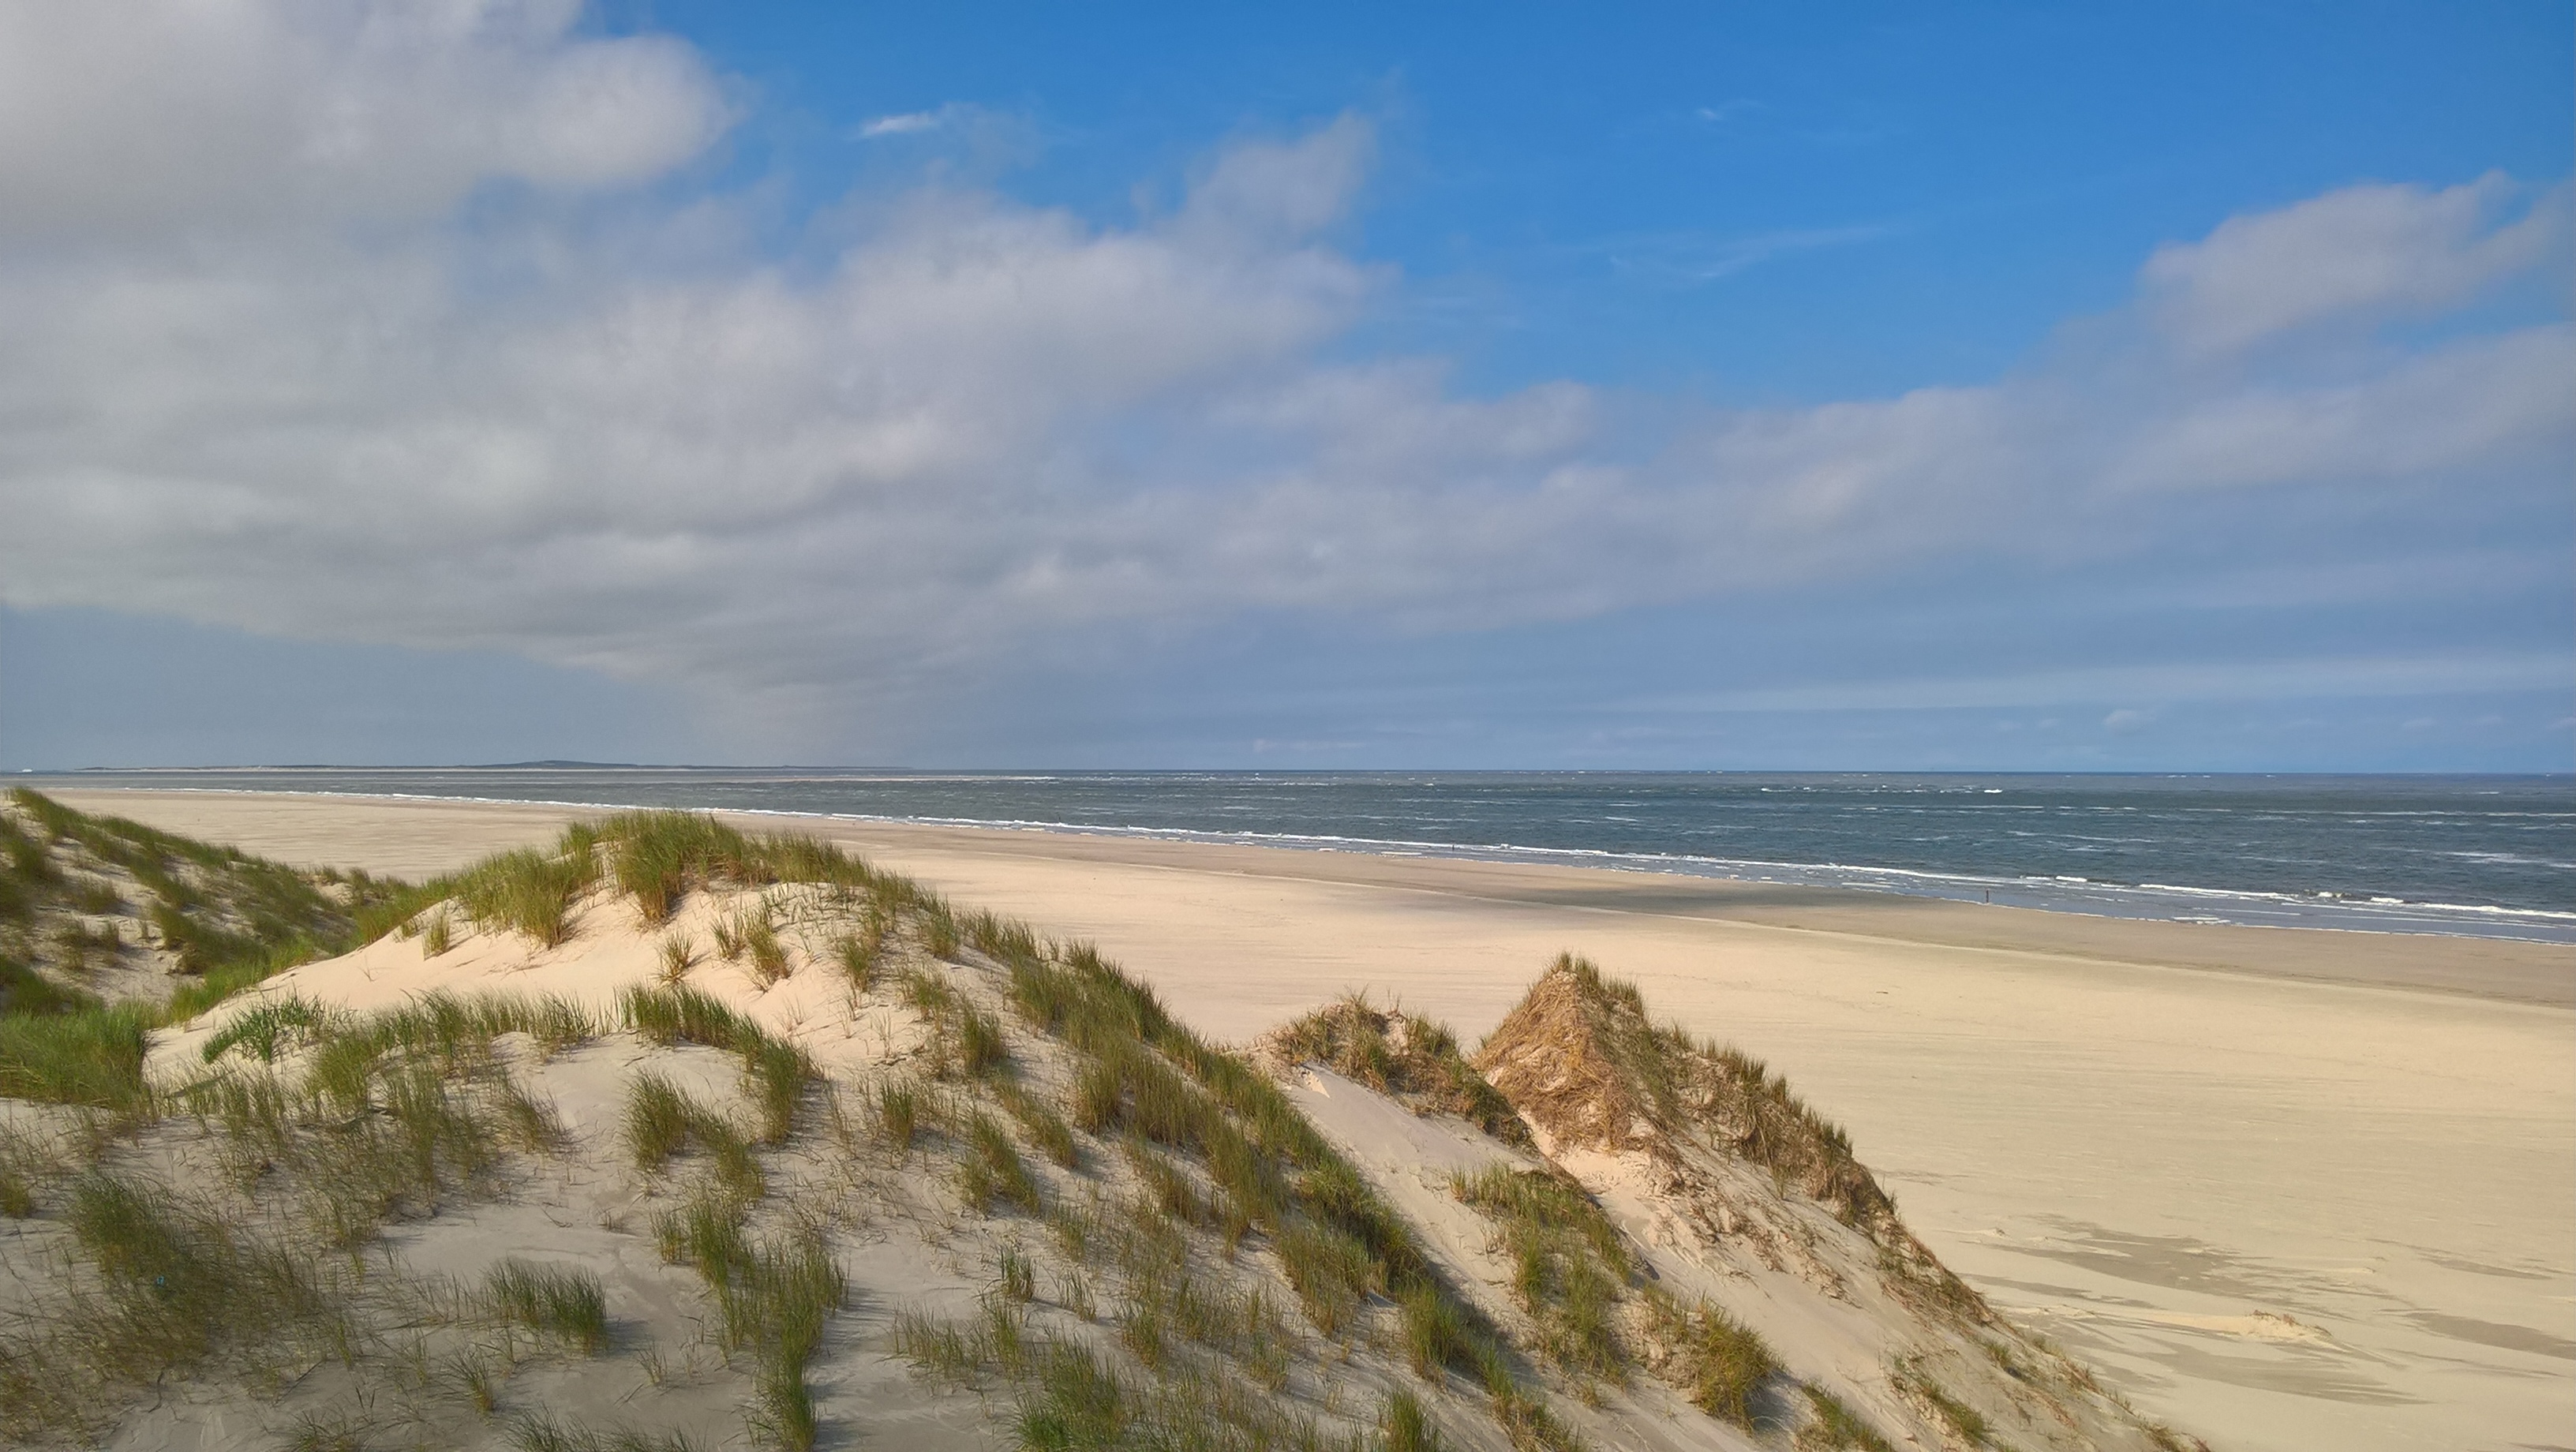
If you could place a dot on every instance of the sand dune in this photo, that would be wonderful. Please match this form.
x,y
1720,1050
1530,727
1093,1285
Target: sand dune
x,y
662,1128
2286,1190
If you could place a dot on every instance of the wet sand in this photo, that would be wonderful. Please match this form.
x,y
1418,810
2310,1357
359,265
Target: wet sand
x,y
2285,1188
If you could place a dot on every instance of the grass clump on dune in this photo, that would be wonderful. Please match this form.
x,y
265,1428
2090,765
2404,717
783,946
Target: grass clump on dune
x,y
965,1039
663,1121
1330,1270
527,891
1965,1421
979,1043
657,857
1070,1395
1403,1054
677,957
993,1170
92,1056
1569,1267
445,1030
860,954
759,936
677,1013
1405,1427
415,1137
773,1299
705,1230
1717,1360
229,918
562,1302
775,1072
180,1292
27,1164
1045,1128
899,1114
389,1113
776,1307
288,1023
1835,1428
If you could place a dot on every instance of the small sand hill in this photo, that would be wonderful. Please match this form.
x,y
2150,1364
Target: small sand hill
x,y
1642,1208
101,909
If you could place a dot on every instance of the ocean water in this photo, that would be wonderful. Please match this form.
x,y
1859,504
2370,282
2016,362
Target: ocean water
x,y
2489,856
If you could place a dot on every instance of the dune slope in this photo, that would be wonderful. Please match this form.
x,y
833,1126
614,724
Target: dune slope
x,y
670,1137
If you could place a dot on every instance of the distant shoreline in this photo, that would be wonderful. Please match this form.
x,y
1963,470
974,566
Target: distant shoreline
x,y
2059,893
420,835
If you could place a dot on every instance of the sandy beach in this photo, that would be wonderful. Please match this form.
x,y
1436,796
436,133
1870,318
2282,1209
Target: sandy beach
x,y
2284,1189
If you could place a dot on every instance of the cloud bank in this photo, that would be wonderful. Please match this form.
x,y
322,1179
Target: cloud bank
x,y
421,325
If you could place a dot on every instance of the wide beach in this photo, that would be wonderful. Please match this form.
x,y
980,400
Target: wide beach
x,y
2284,1188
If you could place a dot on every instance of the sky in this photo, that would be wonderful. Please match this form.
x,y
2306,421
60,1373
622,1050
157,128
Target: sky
x,y
2122,387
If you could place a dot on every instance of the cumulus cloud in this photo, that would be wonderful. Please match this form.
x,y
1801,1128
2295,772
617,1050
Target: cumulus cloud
x,y
292,380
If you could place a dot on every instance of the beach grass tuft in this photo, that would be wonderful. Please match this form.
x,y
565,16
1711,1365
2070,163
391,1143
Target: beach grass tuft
x,y
663,1121
1965,1422
565,1303
993,1170
1718,1361
91,1056
527,891
1569,1265
677,956
1404,1054
1835,1427
1405,1427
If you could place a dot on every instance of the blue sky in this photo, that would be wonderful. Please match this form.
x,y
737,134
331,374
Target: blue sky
x,y
2049,387
1923,194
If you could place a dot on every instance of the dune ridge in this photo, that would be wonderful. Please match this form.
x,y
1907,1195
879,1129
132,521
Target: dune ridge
x,y
706,1137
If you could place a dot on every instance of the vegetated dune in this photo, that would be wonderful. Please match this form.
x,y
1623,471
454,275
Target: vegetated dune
x,y
673,1138
1670,1210
97,910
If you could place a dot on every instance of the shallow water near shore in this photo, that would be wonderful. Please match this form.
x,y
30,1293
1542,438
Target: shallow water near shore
x,y
2490,856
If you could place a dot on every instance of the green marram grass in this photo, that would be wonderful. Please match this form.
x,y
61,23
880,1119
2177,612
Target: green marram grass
x,y
563,1303
1569,1267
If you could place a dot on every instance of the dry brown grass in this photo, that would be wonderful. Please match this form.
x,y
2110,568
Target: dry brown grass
x,y
1581,1059
1394,1052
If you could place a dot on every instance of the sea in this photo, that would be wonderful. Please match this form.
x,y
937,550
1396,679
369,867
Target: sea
x,y
2489,856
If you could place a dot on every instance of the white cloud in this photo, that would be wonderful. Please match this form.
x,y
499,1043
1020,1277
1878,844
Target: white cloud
x,y
1263,191
903,124
2448,408
286,382
2363,252
167,114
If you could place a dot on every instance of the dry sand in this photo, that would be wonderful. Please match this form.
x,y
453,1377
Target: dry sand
x,y
2287,1189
